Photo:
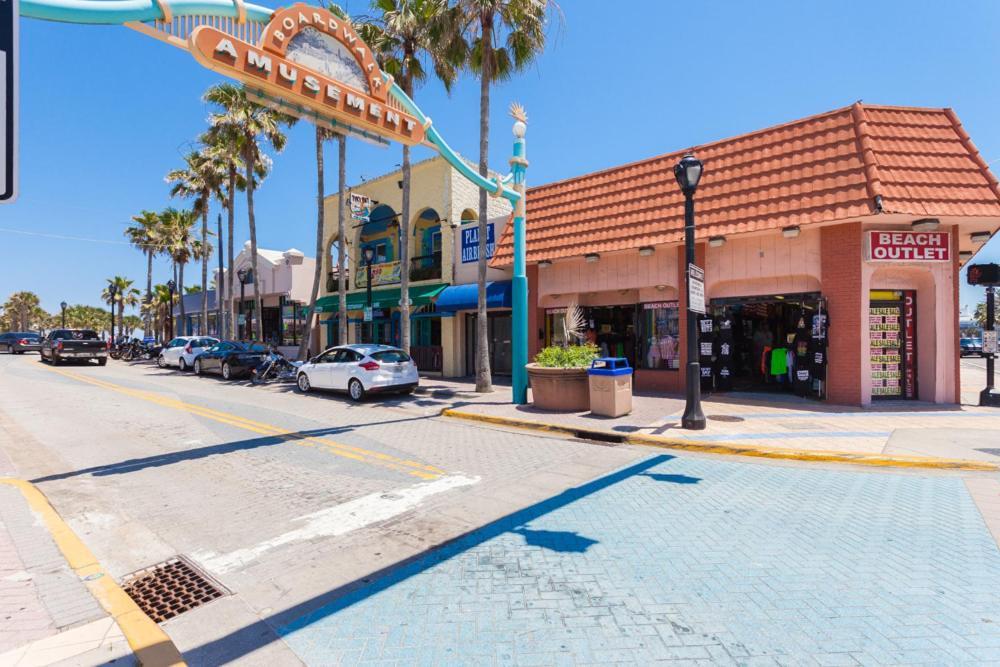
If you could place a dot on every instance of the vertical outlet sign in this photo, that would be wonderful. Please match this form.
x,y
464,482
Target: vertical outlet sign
x,y
8,110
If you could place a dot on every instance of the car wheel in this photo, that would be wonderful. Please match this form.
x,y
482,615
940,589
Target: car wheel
x,y
55,360
182,365
161,362
355,389
103,361
197,366
303,382
227,372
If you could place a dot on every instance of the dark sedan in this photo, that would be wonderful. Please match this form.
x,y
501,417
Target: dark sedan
x,y
230,358
19,343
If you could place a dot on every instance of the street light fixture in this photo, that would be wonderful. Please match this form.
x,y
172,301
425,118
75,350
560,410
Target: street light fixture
x,y
62,306
171,286
242,274
112,292
688,174
369,254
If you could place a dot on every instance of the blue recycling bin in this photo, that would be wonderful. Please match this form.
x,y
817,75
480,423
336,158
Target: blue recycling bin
x,y
610,381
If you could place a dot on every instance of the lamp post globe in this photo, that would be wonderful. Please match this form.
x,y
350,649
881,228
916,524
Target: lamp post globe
x,y
688,173
62,307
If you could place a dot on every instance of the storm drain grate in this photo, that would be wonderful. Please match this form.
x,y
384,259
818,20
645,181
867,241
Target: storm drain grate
x,y
170,588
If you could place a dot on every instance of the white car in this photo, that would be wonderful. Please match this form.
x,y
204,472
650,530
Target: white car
x,y
360,370
181,351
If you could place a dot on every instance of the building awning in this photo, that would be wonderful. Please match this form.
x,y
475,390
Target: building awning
x,y
420,295
466,297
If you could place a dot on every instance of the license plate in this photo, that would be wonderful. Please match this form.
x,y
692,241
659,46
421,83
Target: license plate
x,y
397,370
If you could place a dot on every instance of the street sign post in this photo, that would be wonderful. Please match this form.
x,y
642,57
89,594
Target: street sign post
x,y
696,289
8,111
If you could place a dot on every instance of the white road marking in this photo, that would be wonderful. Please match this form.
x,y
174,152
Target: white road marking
x,y
337,520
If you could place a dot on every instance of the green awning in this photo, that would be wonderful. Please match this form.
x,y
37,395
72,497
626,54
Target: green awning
x,y
420,295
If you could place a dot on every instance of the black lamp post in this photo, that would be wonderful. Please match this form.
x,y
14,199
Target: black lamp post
x,y
62,306
688,173
171,286
369,253
242,274
112,291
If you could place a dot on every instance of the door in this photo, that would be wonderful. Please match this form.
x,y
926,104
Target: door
x,y
319,374
499,330
892,349
341,369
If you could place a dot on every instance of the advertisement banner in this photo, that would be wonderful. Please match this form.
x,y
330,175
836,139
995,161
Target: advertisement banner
x,y
361,207
889,246
910,344
470,243
386,273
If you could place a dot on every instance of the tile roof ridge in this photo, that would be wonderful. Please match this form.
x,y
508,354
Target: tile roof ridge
x,y
966,140
867,154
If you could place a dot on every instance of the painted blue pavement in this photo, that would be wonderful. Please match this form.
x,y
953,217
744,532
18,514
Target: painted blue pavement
x,y
697,561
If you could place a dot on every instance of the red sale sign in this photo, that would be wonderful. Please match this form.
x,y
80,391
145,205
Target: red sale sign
x,y
909,246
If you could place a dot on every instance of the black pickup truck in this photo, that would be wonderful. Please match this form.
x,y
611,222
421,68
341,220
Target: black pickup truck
x,y
74,345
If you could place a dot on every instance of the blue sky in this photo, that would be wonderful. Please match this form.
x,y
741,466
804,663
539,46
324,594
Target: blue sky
x,y
106,112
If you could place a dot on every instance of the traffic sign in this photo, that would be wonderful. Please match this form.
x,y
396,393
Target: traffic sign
x,y
989,342
8,111
696,289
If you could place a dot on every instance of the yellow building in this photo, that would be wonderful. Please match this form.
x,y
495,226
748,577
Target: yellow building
x,y
442,203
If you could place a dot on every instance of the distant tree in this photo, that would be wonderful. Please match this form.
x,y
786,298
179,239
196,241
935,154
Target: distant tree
x,y
980,315
146,235
23,310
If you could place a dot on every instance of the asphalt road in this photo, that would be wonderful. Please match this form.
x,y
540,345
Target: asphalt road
x,y
286,499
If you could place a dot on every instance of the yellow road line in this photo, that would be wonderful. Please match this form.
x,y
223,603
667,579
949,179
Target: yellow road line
x,y
149,642
731,449
351,452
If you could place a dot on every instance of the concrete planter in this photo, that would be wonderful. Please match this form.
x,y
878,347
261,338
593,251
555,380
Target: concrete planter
x,y
559,389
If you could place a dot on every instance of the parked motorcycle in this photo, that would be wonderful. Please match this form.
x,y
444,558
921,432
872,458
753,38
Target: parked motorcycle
x,y
274,368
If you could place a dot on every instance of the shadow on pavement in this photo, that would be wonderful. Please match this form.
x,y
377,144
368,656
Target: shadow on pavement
x,y
673,479
235,645
170,458
555,540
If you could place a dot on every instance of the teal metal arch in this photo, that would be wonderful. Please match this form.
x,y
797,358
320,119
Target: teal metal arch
x,y
510,187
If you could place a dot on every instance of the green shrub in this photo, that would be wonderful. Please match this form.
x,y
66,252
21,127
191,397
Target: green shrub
x,y
573,356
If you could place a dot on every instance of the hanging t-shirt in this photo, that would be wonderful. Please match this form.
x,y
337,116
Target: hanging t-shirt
x,y
779,361
724,354
802,374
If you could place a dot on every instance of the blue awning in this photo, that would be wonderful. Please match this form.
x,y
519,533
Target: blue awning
x,y
466,297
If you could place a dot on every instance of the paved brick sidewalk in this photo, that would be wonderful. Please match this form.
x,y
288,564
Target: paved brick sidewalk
x,y
695,560
46,613
900,428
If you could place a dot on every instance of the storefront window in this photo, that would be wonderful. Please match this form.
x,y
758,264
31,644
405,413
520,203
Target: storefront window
x,y
554,333
659,331
292,322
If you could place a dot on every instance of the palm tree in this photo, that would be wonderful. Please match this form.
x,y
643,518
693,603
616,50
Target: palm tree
x,y
180,244
161,307
504,36
406,32
248,124
26,309
222,144
125,295
145,236
200,179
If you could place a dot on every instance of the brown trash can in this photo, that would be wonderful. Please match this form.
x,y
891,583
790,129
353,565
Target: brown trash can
x,y
610,381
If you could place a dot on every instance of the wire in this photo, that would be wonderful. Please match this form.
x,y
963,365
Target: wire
x,y
63,237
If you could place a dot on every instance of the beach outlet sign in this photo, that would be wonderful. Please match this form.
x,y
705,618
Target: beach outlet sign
x,y
308,57
900,246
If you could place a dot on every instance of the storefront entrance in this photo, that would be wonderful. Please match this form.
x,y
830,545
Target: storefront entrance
x,y
499,328
774,344
892,327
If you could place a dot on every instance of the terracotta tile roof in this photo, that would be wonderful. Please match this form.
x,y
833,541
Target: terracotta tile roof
x,y
834,166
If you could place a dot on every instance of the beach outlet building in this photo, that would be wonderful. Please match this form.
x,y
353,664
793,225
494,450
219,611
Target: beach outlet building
x,y
830,245
443,254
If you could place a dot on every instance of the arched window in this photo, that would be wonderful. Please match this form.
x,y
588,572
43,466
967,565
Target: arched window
x,y
380,233
468,215
425,248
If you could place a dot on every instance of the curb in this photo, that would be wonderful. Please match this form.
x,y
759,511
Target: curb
x,y
730,449
148,641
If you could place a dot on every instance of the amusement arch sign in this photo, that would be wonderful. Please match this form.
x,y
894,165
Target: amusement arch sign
x,y
308,62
